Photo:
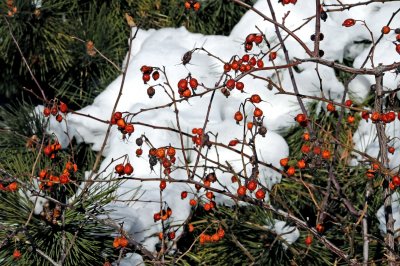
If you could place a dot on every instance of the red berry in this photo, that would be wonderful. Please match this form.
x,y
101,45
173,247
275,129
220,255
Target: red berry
x,y
63,107
301,164
272,56
396,180
16,254
129,129
348,103
46,112
230,84
291,171
260,63
171,235
260,194
349,22
258,112
117,115
252,185
184,194
193,202
255,98
239,85
119,169
182,84
193,83
156,75
320,228
351,119
398,48
233,143
284,162
241,191
128,169
146,78
330,107
326,154
238,116
59,118
163,185
250,38
308,240
391,150
227,67
210,195
385,29
258,39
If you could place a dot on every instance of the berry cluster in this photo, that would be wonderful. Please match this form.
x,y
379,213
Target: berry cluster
x,y
54,110
217,236
251,39
126,169
47,179
120,242
123,126
314,158
192,4
148,72
162,215
183,88
11,186
51,149
164,155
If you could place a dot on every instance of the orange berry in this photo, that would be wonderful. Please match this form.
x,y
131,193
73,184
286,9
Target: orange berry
x,y
196,6
301,164
171,151
249,125
123,242
330,107
238,116
326,154
121,123
193,202
350,119
260,194
191,227
116,243
215,238
320,228
284,162
241,191
306,136
385,29
291,171
13,186
308,240
258,112
16,254
210,195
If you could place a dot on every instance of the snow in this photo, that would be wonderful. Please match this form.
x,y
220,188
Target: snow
x,y
165,47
